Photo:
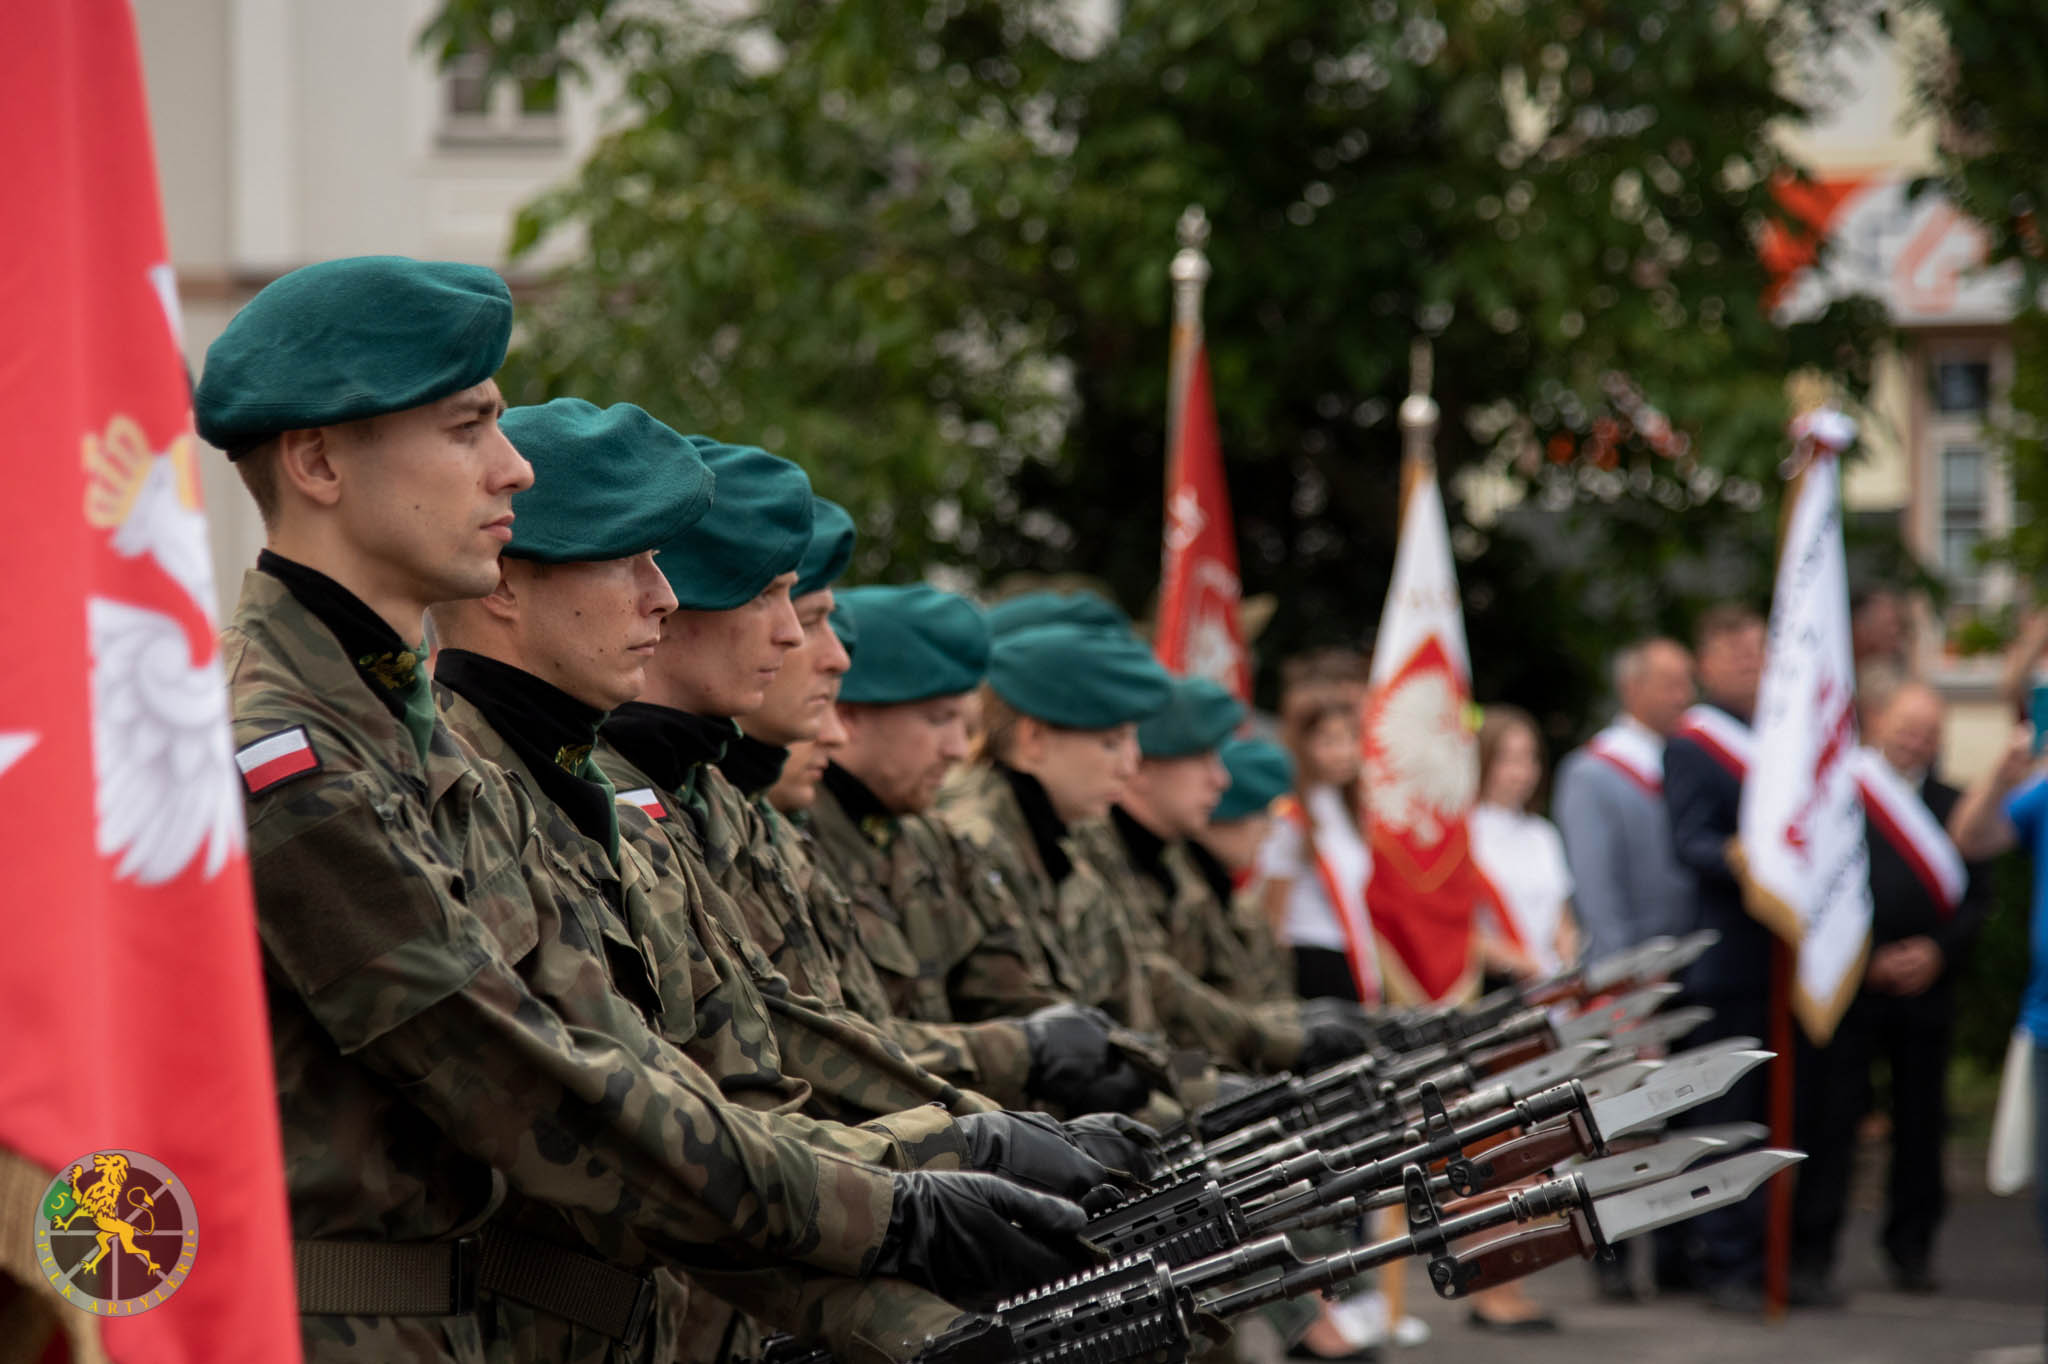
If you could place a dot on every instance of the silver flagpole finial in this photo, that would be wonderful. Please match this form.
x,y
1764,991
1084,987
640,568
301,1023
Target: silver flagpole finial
x,y
1190,269
1418,409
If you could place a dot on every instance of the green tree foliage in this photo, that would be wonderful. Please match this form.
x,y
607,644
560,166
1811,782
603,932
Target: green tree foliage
x,y
921,246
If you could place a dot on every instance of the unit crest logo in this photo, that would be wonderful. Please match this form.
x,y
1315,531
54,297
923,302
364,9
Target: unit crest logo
x,y
117,1233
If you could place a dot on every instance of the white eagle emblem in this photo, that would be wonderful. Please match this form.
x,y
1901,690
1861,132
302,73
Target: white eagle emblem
x,y
1426,769
166,786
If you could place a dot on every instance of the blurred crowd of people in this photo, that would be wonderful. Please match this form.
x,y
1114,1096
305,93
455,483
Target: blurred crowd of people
x,y
1635,845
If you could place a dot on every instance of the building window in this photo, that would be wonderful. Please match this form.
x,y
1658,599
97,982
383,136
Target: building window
x,y
1962,388
478,111
1963,521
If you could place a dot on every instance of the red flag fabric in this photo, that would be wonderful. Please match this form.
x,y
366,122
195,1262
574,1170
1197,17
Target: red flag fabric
x,y
1199,633
1422,768
130,986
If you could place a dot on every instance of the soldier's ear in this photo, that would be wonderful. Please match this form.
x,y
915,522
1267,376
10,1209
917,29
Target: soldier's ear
x,y
304,466
507,600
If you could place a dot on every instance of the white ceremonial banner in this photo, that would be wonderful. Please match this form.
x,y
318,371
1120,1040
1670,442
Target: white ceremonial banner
x,y
1800,849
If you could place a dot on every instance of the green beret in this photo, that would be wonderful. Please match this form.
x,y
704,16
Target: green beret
x,y
1055,608
1260,773
843,626
916,642
758,529
1198,717
831,548
1077,676
608,482
348,339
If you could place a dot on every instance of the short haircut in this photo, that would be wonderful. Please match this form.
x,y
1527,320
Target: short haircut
x,y
1630,661
258,472
1723,619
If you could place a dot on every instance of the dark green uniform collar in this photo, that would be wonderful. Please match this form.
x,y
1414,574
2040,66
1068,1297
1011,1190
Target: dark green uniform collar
x,y
1147,850
668,744
394,670
1048,830
1212,870
550,730
751,765
863,808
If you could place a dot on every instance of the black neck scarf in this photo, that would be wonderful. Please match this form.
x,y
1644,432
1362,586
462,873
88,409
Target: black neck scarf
x,y
1147,849
1047,828
668,744
751,765
1213,871
549,729
394,670
862,806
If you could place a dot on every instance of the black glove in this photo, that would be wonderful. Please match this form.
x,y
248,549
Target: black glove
x,y
1031,1149
974,1239
1075,1067
1125,1145
1327,1043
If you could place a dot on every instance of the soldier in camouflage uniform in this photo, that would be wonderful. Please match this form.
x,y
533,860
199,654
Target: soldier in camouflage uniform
x,y
1241,955
528,673
807,926
421,983
1059,746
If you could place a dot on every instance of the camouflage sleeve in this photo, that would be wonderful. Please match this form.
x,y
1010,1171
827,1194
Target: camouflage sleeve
x,y
368,920
1003,975
865,1321
993,1057
1199,1016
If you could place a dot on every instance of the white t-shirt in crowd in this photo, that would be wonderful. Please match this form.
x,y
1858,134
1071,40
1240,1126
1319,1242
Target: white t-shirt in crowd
x,y
1524,858
1311,919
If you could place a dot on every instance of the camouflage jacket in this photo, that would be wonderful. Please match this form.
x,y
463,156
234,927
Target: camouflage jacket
x,y
1173,948
1223,941
1077,924
992,1058
933,916
431,1004
712,982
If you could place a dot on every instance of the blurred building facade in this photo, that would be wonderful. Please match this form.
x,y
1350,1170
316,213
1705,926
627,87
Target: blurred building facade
x,y
1925,461
290,131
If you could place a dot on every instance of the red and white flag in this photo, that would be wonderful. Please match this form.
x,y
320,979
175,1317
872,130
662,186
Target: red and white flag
x,y
1799,849
130,986
1199,633
1422,766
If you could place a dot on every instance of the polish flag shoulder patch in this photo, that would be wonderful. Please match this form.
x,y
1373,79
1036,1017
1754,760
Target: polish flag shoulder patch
x,y
276,758
645,801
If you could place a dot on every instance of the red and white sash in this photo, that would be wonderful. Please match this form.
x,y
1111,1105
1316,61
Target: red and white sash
x,y
1726,739
1895,810
1347,902
1635,753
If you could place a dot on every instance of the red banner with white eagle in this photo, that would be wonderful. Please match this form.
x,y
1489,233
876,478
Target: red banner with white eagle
x,y
1422,766
1199,633
137,1110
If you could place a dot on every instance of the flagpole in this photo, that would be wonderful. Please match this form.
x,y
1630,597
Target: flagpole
x,y
1190,275
1418,417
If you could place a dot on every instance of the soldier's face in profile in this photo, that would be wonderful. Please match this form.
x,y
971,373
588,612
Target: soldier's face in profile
x,y
590,629
424,496
798,700
903,753
1236,842
1083,771
1179,793
722,663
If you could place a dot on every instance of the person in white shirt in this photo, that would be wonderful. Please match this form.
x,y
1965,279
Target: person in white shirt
x,y
1520,854
1315,864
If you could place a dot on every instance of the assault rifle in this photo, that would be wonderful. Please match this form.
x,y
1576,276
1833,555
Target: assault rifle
x,y
1137,1308
1286,1188
1286,1104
